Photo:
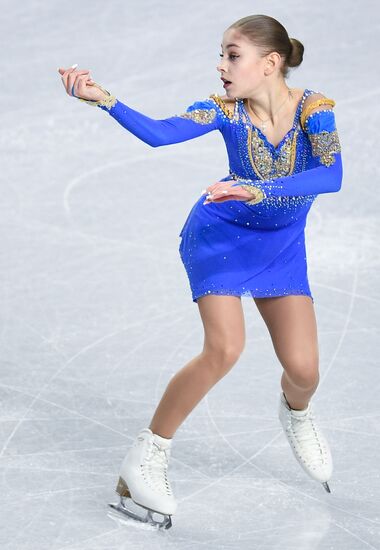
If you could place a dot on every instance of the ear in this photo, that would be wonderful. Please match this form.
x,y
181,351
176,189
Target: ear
x,y
272,61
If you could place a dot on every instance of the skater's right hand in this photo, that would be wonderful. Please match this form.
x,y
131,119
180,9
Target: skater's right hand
x,y
84,86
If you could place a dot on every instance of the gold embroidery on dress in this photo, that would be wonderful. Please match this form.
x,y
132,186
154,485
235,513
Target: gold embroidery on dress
x,y
219,101
202,116
262,161
324,145
313,105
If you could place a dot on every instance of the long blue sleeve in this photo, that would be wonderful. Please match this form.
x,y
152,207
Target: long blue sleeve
x,y
200,118
326,177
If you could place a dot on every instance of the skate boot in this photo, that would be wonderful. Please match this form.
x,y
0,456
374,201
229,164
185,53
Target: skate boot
x,y
143,480
307,441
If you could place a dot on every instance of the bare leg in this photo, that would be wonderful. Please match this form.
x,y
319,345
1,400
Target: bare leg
x,y
292,326
223,322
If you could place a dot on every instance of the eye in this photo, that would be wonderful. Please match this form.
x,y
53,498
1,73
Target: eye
x,y
232,56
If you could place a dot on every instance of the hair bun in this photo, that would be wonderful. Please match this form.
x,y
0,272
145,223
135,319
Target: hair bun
x,y
296,53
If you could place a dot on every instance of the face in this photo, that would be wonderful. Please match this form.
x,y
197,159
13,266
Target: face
x,y
242,65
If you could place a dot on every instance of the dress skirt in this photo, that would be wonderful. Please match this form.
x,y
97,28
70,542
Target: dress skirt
x,y
228,248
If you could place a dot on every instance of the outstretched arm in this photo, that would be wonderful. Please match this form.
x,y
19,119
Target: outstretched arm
x,y
200,118
319,123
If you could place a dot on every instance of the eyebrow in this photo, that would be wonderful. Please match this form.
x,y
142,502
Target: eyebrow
x,y
230,45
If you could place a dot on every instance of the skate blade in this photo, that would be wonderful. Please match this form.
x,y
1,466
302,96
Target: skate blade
x,y
123,490
121,508
326,486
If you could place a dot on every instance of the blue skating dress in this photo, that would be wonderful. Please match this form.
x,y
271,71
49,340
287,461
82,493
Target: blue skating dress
x,y
245,248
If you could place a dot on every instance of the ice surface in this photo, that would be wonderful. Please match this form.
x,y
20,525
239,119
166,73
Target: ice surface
x,y
96,313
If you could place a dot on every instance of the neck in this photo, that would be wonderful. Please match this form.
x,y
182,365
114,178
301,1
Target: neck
x,y
266,103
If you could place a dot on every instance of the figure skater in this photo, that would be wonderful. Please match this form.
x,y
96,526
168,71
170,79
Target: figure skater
x,y
244,238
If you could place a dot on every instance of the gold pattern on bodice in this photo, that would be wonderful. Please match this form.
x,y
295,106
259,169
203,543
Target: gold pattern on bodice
x,y
264,163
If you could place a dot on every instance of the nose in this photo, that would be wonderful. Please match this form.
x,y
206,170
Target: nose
x,y
219,66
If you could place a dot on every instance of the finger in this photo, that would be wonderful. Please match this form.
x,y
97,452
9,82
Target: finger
x,y
218,196
226,198
70,69
66,72
80,84
65,78
210,191
69,76
61,70
211,187
219,191
217,186
74,74
217,200
71,80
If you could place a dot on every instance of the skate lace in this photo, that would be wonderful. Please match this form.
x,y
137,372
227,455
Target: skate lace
x,y
307,438
155,468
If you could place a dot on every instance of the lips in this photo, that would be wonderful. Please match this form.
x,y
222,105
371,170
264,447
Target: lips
x,y
226,81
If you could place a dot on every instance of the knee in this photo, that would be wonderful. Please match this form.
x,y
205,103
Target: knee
x,y
221,358
303,373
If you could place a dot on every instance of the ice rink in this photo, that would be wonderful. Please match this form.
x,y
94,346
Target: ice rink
x,y
96,310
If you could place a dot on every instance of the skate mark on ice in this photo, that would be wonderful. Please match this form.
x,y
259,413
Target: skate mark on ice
x,y
61,369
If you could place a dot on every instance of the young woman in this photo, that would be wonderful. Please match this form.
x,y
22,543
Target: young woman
x,y
245,238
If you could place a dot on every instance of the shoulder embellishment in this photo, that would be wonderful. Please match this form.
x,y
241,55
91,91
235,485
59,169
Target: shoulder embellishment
x,y
202,116
219,101
313,105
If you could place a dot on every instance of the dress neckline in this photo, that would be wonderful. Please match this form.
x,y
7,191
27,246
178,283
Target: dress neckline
x,y
295,122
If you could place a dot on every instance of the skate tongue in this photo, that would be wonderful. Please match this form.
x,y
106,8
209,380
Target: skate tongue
x,y
295,412
162,441
300,413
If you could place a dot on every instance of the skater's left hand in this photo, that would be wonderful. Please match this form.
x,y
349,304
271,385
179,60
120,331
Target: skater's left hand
x,y
226,191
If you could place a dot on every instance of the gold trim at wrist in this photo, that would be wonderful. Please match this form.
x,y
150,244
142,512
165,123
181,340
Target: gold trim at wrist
x,y
259,194
107,102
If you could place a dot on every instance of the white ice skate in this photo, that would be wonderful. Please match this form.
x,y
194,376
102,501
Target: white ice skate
x,y
143,479
307,441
